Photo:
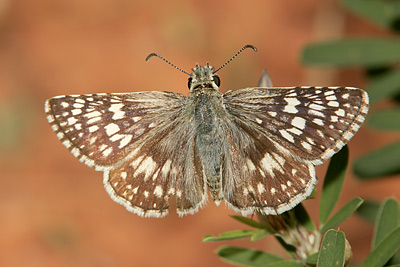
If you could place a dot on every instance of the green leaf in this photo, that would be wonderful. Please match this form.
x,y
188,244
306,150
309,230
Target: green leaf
x,y
259,234
247,221
387,220
353,52
384,85
333,183
385,250
368,210
332,249
237,234
381,162
381,12
303,219
387,119
342,214
247,257
395,260
288,247
312,259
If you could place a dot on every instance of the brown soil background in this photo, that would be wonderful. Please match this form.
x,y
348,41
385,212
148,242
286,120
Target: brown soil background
x,y
54,210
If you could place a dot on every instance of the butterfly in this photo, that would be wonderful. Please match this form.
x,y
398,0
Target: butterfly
x,y
255,148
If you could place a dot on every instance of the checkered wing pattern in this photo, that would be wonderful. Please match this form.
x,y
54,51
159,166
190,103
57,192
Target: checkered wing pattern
x,y
280,134
140,141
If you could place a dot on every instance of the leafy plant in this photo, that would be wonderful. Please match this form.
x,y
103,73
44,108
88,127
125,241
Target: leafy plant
x,y
380,57
307,244
300,237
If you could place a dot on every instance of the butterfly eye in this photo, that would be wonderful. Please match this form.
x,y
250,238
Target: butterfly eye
x,y
216,80
190,82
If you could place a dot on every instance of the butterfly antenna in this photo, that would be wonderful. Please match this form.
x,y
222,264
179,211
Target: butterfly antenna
x,y
157,55
240,51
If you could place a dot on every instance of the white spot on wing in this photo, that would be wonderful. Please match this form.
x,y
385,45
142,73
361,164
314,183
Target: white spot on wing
x,y
72,121
125,140
295,131
286,135
111,129
166,168
260,188
92,114
331,98
318,121
340,112
250,165
299,122
306,145
107,151
269,164
93,128
316,107
333,103
116,109
158,192
147,166
76,111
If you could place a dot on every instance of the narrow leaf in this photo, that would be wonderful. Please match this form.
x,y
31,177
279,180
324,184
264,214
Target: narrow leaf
x,y
384,85
288,247
237,234
259,234
332,249
381,12
395,260
368,210
247,257
384,250
387,220
388,119
247,221
381,162
342,214
353,52
333,183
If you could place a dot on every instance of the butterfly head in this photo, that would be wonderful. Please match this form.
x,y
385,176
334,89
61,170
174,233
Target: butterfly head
x,y
203,77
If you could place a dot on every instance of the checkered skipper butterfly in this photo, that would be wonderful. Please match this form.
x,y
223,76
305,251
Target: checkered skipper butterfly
x,y
255,148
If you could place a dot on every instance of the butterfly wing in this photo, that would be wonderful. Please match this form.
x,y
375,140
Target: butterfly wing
x,y
142,141
313,122
276,136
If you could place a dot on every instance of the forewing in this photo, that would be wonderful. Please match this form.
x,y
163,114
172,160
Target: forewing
x,y
102,129
312,122
144,143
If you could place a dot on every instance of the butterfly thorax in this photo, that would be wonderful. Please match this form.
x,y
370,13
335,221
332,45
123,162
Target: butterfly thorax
x,y
208,111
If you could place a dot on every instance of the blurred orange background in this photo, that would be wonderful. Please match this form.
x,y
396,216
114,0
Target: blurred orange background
x,y
54,210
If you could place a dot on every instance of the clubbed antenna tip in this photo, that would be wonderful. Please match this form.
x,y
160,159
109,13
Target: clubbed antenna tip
x,y
157,55
240,51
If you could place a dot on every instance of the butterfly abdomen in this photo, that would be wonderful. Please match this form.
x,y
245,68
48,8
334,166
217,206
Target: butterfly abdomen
x,y
207,110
